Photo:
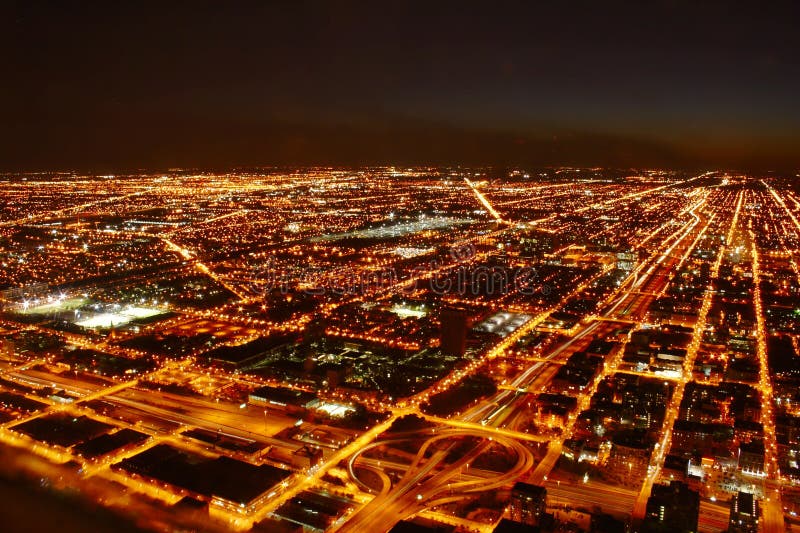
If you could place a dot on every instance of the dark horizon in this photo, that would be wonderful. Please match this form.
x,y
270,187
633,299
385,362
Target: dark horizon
x,y
340,147
117,87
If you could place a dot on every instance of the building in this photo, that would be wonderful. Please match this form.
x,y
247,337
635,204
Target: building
x,y
688,436
453,333
604,523
293,401
668,360
538,243
744,513
674,508
751,458
627,260
528,503
787,430
224,482
747,431
244,355
629,458
675,468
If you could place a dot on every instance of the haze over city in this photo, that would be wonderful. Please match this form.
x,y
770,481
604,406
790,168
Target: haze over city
x,y
111,86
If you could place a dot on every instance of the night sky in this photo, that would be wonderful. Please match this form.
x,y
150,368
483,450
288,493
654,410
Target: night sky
x,y
125,85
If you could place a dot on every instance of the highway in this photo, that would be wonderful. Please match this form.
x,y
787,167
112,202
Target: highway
x,y
663,446
433,477
501,409
431,473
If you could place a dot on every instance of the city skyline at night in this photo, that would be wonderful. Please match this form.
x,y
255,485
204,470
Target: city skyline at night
x,y
400,267
350,349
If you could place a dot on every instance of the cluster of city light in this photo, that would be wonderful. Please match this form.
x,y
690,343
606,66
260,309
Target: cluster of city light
x,y
348,272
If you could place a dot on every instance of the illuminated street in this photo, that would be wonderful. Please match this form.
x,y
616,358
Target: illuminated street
x,y
400,267
327,348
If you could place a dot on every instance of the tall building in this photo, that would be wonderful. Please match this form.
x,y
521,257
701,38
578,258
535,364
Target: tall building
x,y
673,508
629,457
453,334
744,514
528,503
